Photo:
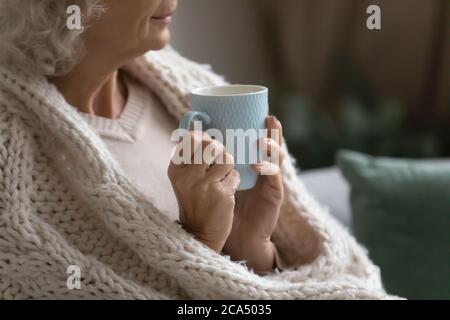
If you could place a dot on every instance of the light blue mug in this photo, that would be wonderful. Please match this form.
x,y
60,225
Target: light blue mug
x,y
228,109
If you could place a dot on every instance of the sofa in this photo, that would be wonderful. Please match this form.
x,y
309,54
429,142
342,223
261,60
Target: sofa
x,y
330,188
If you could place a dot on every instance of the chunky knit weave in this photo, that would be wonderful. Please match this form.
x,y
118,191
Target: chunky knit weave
x,y
65,201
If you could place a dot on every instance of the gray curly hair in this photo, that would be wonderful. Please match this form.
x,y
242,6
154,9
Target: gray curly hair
x,y
34,35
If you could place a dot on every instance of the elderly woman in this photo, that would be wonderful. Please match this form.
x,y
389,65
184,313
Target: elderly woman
x,y
91,205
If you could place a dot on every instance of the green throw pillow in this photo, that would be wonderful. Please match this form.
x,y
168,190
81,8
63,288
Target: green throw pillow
x,y
401,214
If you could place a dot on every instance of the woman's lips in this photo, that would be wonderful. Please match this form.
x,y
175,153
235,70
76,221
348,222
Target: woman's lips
x,y
163,19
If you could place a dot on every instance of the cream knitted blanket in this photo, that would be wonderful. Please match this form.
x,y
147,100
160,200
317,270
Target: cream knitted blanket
x,y
64,202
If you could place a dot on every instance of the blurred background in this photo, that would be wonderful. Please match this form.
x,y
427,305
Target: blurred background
x,y
334,83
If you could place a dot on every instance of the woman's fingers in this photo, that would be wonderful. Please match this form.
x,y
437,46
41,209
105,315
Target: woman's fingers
x,y
210,157
272,151
275,129
231,182
185,150
202,157
197,148
266,168
270,171
207,153
222,166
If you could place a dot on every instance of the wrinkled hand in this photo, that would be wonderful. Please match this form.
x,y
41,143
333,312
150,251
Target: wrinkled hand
x,y
257,210
206,191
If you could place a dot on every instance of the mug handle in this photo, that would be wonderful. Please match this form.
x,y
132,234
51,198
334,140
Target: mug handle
x,y
189,117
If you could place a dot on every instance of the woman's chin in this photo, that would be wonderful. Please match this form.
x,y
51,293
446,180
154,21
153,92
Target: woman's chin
x,y
160,41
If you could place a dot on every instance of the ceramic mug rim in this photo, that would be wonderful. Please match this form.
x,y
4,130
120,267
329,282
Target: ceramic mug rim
x,y
246,90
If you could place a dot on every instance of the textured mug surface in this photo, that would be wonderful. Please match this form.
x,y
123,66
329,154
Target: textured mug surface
x,y
232,107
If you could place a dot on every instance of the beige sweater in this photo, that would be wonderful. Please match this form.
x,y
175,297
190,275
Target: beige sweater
x,y
140,140
65,201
